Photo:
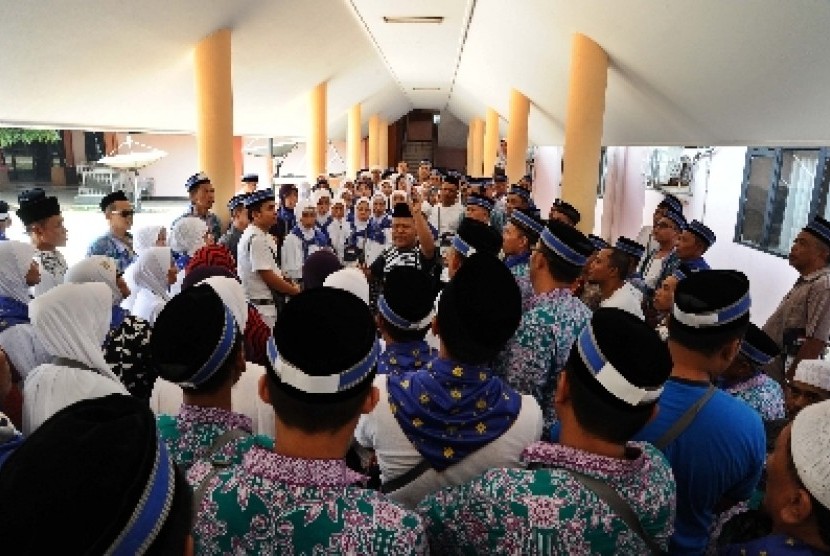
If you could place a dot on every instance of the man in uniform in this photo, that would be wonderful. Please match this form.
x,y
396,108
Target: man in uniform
x,y
249,184
715,443
239,222
479,207
563,503
801,323
564,212
117,243
520,235
412,244
693,242
41,215
303,489
256,258
202,195
446,215
610,271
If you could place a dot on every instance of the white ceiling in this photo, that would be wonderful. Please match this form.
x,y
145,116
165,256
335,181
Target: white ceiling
x,y
706,72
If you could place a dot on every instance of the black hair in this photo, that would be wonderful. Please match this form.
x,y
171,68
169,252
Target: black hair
x,y
560,270
400,335
173,535
313,418
620,261
709,343
255,207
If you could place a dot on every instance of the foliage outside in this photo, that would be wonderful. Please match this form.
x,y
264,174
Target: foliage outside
x,y
11,135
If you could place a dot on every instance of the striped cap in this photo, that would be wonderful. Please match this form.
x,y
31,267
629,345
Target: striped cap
x,y
630,247
702,231
258,197
820,228
196,180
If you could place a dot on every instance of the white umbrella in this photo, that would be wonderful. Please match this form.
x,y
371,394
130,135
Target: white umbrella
x,y
133,161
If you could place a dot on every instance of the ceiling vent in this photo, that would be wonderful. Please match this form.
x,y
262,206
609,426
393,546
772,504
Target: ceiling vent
x,y
414,19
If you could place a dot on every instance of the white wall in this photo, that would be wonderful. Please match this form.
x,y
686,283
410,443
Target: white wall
x,y
171,172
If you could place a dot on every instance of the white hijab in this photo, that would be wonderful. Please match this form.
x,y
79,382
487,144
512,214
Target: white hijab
x,y
23,348
232,295
72,321
188,235
96,268
303,205
351,280
15,260
146,237
151,270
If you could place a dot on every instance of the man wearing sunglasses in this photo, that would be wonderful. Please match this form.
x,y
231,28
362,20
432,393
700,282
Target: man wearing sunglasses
x,y
117,242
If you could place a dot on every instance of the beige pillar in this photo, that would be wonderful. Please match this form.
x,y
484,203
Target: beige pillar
x,y
491,142
470,149
317,145
583,127
383,143
238,164
214,115
478,146
353,142
374,140
517,136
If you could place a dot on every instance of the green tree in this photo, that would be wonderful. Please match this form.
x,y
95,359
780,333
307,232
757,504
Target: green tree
x,y
12,135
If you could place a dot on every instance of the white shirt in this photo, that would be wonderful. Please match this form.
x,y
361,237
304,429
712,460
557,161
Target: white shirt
x,y
292,253
147,305
339,231
446,219
396,455
628,298
256,251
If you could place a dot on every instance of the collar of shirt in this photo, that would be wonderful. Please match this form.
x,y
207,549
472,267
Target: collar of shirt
x,y
559,455
191,415
515,260
300,471
815,275
550,296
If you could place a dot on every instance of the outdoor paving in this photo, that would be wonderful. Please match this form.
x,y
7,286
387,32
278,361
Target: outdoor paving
x,y
86,223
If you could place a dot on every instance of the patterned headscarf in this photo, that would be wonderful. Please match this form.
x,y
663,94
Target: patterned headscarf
x,y
451,409
212,255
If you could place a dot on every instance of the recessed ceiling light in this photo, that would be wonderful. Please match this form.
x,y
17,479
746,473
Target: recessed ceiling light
x,y
426,88
414,19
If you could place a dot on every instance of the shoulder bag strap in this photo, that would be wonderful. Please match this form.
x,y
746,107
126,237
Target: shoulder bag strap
x,y
401,481
618,505
685,420
218,445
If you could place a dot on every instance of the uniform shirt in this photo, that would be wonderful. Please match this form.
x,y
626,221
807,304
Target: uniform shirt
x,y
532,359
400,357
190,435
720,455
446,219
547,511
392,257
806,307
339,232
231,239
520,269
295,250
52,270
627,298
771,545
115,248
257,251
273,504
213,223
763,394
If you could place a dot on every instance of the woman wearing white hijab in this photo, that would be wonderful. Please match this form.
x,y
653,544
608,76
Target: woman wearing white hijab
x,y
18,271
154,273
126,345
144,238
72,321
187,236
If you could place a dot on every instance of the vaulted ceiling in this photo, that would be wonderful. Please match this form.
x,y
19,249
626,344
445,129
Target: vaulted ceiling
x,y
704,72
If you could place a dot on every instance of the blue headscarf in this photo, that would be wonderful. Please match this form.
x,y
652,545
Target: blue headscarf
x,y
398,358
516,260
451,409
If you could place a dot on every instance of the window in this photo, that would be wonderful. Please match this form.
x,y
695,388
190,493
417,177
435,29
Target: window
x,y
782,189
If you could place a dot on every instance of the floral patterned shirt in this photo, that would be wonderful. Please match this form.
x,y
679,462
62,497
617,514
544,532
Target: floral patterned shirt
x,y
272,504
115,248
190,435
532,359
547,511
127,350
521,272
763,394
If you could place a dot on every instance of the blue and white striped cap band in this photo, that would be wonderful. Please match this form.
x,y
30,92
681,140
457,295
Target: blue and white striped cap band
x,y
608,376
220,353
250,177
293,376
679,274
259,196
398,321
236,201
521,192
754,354
672,203
196,180
678,219
561,250
820,228
598,243
480,201
522,220
714,318
154,506
462,246
629,248
702,231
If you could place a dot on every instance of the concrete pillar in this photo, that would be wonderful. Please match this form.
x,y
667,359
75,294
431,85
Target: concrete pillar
x,y
353,142
383,143
214,115
238,156
517,136
317,145
583,127
469,168
491,142
374,140
478,146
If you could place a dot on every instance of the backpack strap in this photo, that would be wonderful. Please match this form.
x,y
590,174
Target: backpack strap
x,y
402,480
217,464
685,420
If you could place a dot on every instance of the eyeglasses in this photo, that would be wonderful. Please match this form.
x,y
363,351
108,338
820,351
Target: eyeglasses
x,y
124,213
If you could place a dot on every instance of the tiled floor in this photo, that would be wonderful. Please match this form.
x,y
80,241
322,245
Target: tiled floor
x,y
87,223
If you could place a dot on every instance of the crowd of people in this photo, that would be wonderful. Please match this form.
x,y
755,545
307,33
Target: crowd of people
x,y
405,364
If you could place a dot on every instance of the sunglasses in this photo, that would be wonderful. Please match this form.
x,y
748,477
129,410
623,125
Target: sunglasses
x,y
124,213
